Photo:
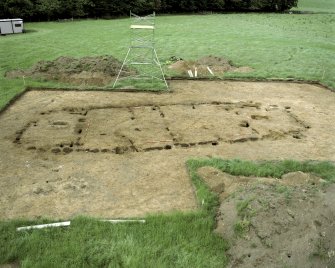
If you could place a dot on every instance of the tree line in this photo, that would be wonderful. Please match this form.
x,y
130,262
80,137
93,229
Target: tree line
x,y
37,10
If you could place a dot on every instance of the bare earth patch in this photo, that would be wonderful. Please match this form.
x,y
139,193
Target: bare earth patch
x,y
206,66
109,154
99,70
284,222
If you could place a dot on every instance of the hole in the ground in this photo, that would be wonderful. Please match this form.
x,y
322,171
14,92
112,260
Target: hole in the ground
x,y
55,150
80,131
289,255
244,123
202,142
193,107
168,147
95,151
82,120
59,123
103,134
119,150
162,114
132,118
137,129
249,255
214,143
154,108
259,117
297,136
154,149
67,150
61,145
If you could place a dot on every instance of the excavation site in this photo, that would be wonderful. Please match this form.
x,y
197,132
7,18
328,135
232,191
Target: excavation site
x,y
122,154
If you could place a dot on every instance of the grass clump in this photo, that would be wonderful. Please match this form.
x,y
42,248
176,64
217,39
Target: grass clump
x,y
242,227
275,169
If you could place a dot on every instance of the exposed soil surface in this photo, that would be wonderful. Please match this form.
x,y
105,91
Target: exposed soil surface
x,y
97,71
110,155
206,66
102,70
285,222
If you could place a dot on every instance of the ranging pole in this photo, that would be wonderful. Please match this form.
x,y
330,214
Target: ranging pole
x,y
141,61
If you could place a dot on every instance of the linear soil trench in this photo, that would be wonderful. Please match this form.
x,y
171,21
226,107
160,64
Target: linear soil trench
x,y
111,154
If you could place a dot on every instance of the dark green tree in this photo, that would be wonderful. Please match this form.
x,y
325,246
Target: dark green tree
x,y
48,8
18,9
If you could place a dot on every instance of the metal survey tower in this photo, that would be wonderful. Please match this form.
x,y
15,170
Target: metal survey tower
x,y
141,61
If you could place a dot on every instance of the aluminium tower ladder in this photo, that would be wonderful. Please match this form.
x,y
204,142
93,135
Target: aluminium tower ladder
x,y
141,61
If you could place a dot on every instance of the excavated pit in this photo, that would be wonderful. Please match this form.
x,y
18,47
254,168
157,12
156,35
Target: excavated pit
x,y
105,154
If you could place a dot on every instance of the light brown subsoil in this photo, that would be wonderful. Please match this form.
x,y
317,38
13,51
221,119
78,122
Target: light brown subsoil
x,y
105,154
285,222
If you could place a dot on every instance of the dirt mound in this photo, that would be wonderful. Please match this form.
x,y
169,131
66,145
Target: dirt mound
x,y
99,70
206,66
286,222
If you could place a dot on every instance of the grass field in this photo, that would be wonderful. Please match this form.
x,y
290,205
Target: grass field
x,y
178,240
275,45
326,6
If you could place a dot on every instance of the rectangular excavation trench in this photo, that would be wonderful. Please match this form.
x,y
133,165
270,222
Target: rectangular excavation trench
x,y
123,154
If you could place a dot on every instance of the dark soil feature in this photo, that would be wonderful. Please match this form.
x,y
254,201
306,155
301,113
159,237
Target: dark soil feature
x,y
285,222
99,70
205,66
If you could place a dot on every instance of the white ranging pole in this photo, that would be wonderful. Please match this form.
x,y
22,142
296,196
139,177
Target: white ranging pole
x,y
68,223
42,226
210,70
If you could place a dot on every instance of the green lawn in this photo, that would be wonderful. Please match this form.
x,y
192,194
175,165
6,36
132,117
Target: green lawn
x,y
326,6
274,45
